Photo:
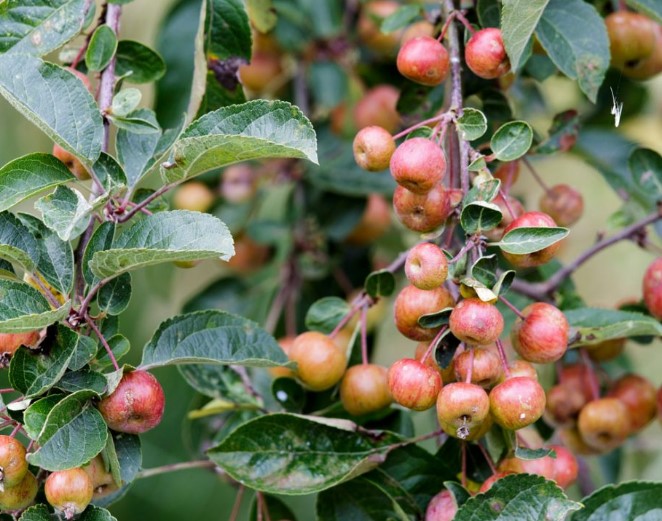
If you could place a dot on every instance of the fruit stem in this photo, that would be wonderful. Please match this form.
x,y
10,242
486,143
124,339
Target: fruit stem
x,y
511,307
237,504
504,358
464,464
467,246
437,118
506,203
364,334
6,390
16,429
138,207
460,16
471,366
433,344
173,467
488,458
592,378
356,307
448,21
103,340
535,175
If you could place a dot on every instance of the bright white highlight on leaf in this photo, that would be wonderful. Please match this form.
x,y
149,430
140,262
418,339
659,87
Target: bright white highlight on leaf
x,y
616,109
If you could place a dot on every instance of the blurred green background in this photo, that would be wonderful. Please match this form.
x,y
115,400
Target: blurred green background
x,y
159,293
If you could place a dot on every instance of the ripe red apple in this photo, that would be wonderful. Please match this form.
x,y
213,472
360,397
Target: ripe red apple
x,y
13,465
423,60
411,303
537,258
604,424
463,410
373,147
69,491
542,337
566,467
632,38
375,222
511,209
486,371
639,397
418,164
71,162
238,183
364,389
562,203
485,54
413,384
10,342
422,213
476,322
441,507
369,27
377,107
564,403
194,196
489,482
320,362
136,405
426,266
517,402
21,495
652,288
519,368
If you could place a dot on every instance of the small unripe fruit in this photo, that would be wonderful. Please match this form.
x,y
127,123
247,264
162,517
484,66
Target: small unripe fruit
x,y
422,213
69,491
374,223
485,54
413,385
542,337
476,322
10,342
607,350
517,402
632,38
13,466
377,107
537,258
418,165
320,362
566,467
369,27
411,303
564,403
263,68
604,424
650,66
21,495
373,147
194,196
563,204
238,183
136,405
652,288
441,507
71,162
462,410
423,60
426,266
364,389
285,344
102,480
638,396
486,370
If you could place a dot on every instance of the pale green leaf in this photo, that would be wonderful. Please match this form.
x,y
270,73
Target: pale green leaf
x,y
512,140
67,212
17,244
597,325
524,240
23,308
472,124
632,500
519,19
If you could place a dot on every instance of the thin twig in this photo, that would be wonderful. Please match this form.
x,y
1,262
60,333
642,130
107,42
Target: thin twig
x,y
364,334
511,307
173,467
103,341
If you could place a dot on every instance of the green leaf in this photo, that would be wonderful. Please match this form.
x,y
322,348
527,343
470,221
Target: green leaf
x,y
529,454
67,212
216,381
119,345
114,297
597,325
56,101
86,349
511,141
126,461
254,130
289,394
436,319
484,270
472,124
325,314
101,48
23,308
575,37
518,497
328,82
109,172
162,237
94,513
651,8
35,415
485,191
28,175
632,500
562,134
138,63
524,240
290,454
125,102
17,244
646,168
35,372
40,26
83,380
519,19
102,239
380,283
212,337
402,17
505,281
137,152
480,216
262,14
37,513
136,124
74,432
56,258
488,13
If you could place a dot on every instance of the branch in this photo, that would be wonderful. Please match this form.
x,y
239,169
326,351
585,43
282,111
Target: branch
x,y
138,207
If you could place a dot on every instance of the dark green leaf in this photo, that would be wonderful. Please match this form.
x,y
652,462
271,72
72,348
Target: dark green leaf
x,y
289,394
136,152
86,349
402,17
633,500
93,513
472,124
524,240
83,380
138,63
290,454
40,26
488,13
562,134
216,381
328,83
23,308
434,320
646,168
109,172
459,493
101,48
33,372
380,284
56,101
119,345
597,325
114,297
651,8
519,19
28,175
511,141
17,244
212,337
480,216
575,38
102,239
325,314
503,284
484,270
528,454
35,416
37,513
